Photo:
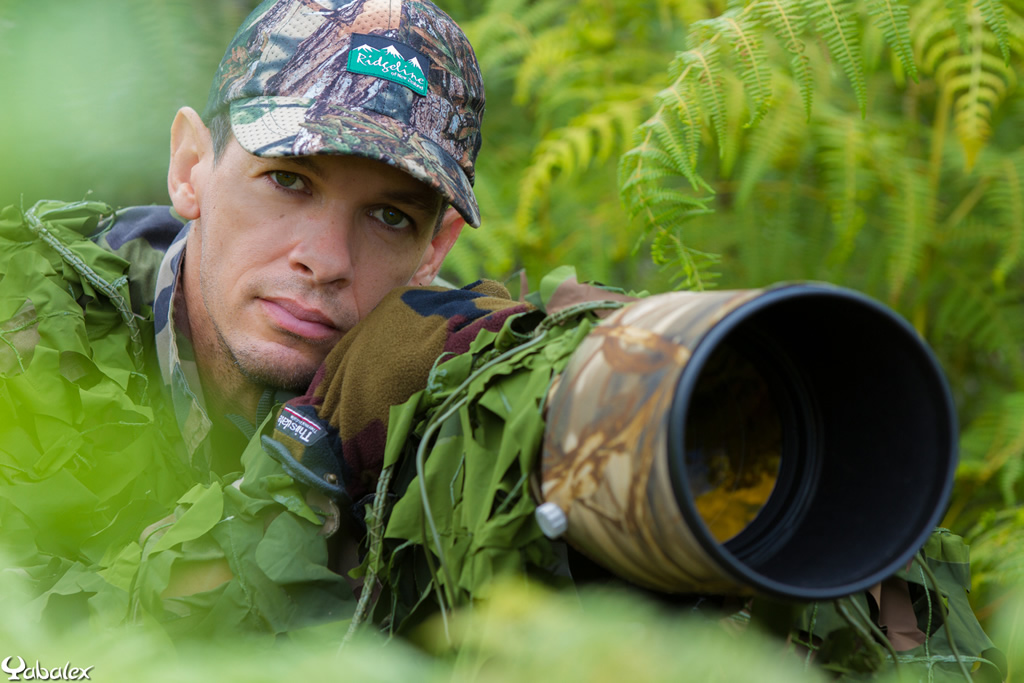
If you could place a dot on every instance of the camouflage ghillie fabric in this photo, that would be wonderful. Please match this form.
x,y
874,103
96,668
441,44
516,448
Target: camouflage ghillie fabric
x,y
924,614
89,445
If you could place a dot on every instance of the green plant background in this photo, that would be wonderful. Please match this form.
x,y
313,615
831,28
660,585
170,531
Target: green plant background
x,y
657,144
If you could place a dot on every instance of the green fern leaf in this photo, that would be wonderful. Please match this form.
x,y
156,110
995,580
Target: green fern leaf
x,y
911,214
977,83
892,17
670,207
547,60
658,207
969,314
957,10
1007,197
974,77
753,65
692,269
994,442
992,11
788,25
565,151
931,22
844,146
669,139
834,20
768,143
1009,476
703,67
503,35
488,252
997,552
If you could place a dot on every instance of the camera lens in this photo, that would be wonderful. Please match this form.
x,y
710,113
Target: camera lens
x,y
733,443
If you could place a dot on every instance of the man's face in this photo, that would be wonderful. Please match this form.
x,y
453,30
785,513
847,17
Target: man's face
x,y
293,252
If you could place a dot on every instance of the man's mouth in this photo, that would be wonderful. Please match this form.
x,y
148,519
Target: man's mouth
x,y
299,320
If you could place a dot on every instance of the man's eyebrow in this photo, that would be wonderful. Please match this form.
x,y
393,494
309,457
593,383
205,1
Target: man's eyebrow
x,y
421,197
424,199
308,163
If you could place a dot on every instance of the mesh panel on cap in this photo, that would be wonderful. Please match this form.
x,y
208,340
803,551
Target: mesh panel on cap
x,y
378,14
280,123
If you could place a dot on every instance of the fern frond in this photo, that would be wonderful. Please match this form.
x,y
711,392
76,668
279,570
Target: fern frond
x,y
834,20
992,11
767,144
549,56
976,81
505,33
997,555
686,11
661,153
1007,199
994,444
788,25
1010,474
843,141
892,17
691,268
970,314
957,10
487,252
934,20
571,149
669,139
753,69
668,207
704,66
911,217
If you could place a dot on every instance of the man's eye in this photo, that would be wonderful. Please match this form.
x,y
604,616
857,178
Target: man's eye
x,y
392,217
289,181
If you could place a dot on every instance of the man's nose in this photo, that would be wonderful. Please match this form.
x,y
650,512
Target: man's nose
x,y
323,249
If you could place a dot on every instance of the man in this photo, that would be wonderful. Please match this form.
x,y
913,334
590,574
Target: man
x,y
334,162
326,190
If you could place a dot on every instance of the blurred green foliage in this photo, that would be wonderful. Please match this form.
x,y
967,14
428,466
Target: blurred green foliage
x,y
886,169
89,90
521,634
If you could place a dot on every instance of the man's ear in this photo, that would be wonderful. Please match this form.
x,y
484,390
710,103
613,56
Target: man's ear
x,y
451,227
191,159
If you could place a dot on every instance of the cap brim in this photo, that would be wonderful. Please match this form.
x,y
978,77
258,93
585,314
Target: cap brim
x,y
289,126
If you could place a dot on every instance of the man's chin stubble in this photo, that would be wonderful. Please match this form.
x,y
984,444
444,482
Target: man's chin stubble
x,y
263,372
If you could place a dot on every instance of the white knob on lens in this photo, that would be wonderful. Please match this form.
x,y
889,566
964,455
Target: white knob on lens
x,y
551,520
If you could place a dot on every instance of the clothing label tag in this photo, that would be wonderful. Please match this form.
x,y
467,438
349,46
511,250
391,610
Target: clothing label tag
x,y
297,426
389,59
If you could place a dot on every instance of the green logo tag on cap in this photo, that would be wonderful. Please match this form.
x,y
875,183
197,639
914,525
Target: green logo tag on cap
x,y
388,59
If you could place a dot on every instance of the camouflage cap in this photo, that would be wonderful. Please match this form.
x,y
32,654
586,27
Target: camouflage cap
x,y
391,80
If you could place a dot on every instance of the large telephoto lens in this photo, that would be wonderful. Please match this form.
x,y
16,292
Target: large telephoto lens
x,y
798,441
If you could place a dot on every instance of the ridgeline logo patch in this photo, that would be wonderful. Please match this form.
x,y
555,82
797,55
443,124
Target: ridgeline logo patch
x,y
390,60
